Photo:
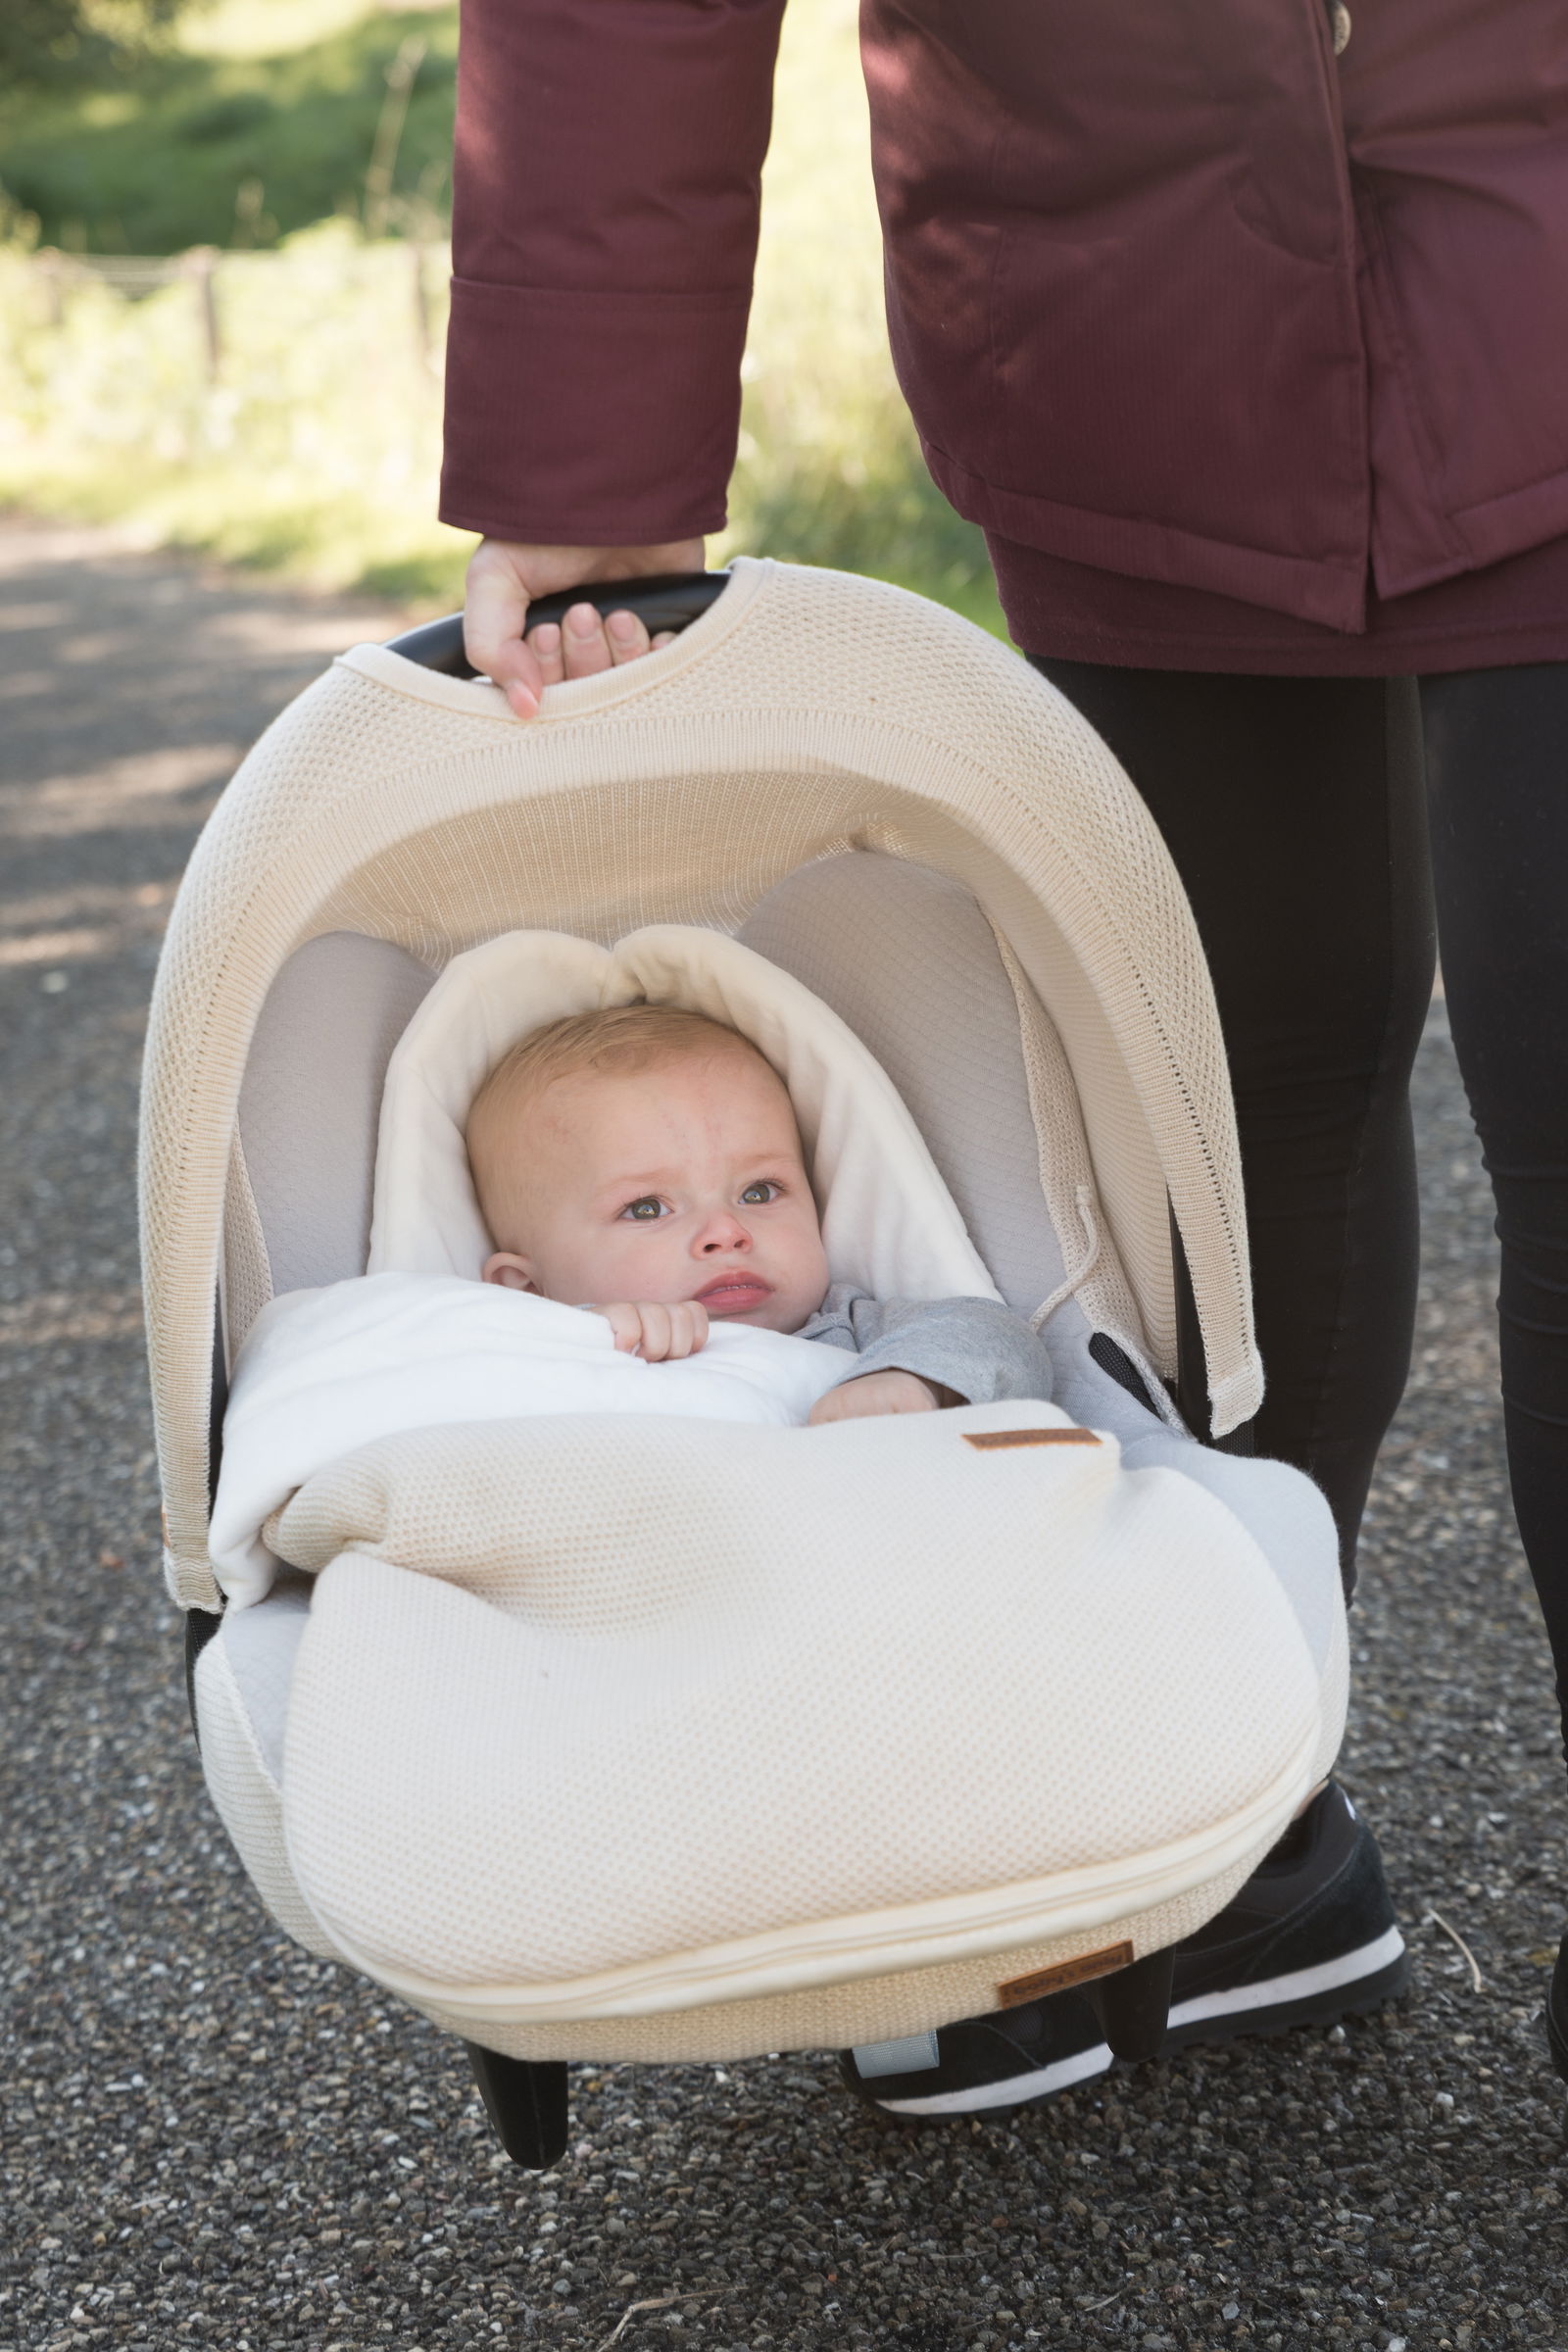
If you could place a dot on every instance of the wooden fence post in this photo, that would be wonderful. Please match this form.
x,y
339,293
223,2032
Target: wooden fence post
x,y
423,336
201,263
51,267
401,75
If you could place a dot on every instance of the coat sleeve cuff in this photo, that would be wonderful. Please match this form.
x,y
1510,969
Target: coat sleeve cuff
x,y
606,420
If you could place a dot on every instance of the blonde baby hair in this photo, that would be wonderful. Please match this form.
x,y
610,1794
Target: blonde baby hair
x,y
616,1041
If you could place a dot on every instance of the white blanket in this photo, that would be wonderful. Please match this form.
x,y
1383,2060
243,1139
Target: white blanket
x,y
324,1372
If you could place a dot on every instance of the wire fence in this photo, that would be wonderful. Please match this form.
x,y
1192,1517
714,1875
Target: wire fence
x,y
136,275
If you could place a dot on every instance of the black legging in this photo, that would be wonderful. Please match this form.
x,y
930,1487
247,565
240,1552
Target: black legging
x,y
1498,788
1297,811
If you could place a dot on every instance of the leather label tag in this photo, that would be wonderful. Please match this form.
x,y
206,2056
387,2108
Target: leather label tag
x,y
987,1440
1079,1971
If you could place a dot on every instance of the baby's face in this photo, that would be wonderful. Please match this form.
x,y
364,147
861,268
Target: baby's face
x,y
684,1180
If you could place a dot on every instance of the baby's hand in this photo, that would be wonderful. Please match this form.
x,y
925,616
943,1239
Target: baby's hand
x,y
875,1393
659,1334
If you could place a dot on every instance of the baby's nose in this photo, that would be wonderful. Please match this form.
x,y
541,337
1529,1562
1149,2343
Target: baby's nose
x,y
726,1232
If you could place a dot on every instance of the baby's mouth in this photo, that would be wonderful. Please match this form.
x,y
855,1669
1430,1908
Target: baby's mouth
x,y
735,1294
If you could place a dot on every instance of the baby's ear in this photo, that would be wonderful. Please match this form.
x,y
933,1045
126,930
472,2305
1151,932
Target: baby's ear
x,y
510,1272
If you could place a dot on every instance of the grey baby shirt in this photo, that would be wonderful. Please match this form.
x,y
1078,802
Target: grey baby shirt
x,y
976,1347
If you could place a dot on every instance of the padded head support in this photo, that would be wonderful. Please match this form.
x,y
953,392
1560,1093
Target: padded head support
x,y
888,1220
903,955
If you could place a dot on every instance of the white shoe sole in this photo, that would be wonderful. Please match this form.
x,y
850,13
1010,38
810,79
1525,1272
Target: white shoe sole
x,y
1348,1972
1362,1971
1012,2092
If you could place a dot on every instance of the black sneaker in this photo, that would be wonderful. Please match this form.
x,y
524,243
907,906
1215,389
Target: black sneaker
x,y
1557,2012
1311,1938
996,2061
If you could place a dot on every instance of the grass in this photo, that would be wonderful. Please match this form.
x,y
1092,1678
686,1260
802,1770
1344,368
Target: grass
x,y
315,451
223,149
829,470
265,28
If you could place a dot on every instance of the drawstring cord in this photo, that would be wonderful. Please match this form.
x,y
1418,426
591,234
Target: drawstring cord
x,y
1075,1281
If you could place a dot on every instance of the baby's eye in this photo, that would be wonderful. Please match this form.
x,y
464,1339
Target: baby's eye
x,y
757,1196
644,1211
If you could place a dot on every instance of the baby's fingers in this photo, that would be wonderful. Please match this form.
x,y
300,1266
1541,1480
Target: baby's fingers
x,y
671,1332
830,1408
625,1323
873,1393
654,1324
688,1328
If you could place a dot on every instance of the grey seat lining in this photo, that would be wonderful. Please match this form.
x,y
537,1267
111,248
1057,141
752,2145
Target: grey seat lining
x,y
261,1644
310,1101
906,956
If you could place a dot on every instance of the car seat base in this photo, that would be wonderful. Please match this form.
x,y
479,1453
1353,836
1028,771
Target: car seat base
x,y
527,2103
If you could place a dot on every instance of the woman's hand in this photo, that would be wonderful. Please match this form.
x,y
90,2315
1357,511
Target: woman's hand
x,y
875,1393
504,579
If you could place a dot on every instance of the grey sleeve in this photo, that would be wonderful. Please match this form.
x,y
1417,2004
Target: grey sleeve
x,y
834,1320
976,1347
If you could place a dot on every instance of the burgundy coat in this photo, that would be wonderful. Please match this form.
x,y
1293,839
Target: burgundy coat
x,y
1173,291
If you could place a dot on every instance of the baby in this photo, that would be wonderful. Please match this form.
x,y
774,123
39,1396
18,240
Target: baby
x,y
645,1163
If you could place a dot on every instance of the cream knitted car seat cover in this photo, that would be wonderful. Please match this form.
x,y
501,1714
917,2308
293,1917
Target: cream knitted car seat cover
x,y
617,1742
597,1722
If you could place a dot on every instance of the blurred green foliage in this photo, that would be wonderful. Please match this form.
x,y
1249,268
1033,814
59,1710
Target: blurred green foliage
x,y
314,446
56,44
312,449
197,150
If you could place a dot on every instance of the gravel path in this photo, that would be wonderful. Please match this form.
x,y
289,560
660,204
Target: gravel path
x,y
208,2138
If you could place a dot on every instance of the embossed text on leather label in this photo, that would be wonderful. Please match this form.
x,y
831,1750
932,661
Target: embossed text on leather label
x,y
1081,1970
